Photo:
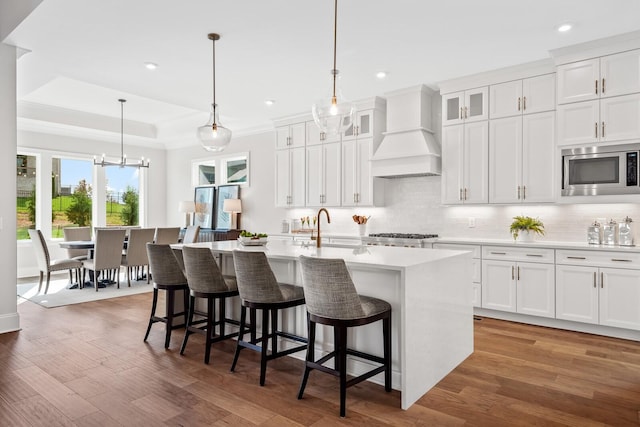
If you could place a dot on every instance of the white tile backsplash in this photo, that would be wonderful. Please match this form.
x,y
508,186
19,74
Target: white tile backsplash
x,y
413,205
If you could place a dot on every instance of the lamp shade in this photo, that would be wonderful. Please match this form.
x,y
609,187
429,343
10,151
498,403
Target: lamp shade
x,y
187,206
232,205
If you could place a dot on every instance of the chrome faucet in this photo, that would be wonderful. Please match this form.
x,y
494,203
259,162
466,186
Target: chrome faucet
x,y
318,241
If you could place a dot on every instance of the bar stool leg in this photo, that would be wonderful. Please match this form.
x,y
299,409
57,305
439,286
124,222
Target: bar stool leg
x,y
341,361
170,304
222,308
153,312
243,320
274,328
386,334
264,346
311,333
187,332
210,328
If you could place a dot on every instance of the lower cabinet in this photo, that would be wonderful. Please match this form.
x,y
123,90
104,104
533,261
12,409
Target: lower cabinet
x,y
509,283
599,295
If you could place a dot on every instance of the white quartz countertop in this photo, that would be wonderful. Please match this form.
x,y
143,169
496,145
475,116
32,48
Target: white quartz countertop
x,y
539,244
394,258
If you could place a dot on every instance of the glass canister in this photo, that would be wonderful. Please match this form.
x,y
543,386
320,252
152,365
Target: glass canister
x,y
626,232
594,233
285,226
609,233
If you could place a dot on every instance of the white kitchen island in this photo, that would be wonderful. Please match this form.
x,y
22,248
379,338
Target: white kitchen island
x,y
430,291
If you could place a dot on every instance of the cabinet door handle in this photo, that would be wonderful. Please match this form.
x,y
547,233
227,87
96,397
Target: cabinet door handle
x,y
512,273
601,280
596,134
576,257
595,279
466,111
518,272
621,260
524,102
518,192
518,103
460,116
460,197
602,131
596,87
535,255
603,85
498,253
465,194
524,192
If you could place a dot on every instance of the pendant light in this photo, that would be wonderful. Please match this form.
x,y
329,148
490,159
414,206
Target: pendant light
x,y
333,114
213,136
123,157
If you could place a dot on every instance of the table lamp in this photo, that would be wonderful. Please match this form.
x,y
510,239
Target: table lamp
x,y
187,207
233,206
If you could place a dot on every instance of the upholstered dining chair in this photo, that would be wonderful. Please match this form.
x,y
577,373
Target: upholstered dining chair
x,y
107,255
191,234
45,264
332,300
259,290
167,235
206,281
136,255
167,276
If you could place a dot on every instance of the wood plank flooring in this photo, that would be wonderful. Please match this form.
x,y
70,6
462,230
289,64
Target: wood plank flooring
x,y
86,365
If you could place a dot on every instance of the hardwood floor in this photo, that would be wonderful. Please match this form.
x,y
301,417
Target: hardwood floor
x,y
86,365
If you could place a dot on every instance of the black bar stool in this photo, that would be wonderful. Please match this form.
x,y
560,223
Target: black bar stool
x,y
332,300
166,275
259,290
206,281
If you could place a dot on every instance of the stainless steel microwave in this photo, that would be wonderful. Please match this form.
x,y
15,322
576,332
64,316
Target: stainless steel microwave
x,y
594,171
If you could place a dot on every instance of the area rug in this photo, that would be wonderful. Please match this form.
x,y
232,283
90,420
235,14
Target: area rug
x,y
58,294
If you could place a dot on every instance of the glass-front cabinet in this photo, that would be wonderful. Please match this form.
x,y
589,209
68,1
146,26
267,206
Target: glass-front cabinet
x,y
362,126
464,107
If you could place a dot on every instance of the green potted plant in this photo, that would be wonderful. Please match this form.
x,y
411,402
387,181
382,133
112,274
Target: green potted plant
x,y
526,225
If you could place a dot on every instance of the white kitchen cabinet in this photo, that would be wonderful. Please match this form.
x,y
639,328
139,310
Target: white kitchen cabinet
x,y
315,136
290,136
290,177
611,75
590,290
465,107
512,283
604,120
476,267
362,126
521,150
358,185
465,163
527,96
323,175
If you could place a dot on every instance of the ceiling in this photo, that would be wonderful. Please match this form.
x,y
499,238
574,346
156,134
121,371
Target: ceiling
x,y
85,54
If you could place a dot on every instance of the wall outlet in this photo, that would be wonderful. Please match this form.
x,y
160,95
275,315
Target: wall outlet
x,y
472,222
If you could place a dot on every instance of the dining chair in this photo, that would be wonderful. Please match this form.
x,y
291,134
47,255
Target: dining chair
x,y
136,254
77,234
206,281
332,300
107,255
259,290
167,276
45,264
167,235
191,234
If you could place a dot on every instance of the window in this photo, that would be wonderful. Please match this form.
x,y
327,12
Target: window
x,y
122,201
71,193
26,195
230,169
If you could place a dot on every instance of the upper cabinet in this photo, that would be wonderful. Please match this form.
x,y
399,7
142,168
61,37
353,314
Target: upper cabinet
x,y
362,126
290,136
527,96
464,107
315,136
607,76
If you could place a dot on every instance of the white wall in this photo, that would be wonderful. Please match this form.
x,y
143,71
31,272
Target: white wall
x,y
9,319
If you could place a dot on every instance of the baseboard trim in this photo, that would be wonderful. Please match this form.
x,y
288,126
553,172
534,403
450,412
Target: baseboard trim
x,y
9,323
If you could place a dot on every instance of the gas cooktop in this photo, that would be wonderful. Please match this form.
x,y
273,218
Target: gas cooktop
x,y
404,235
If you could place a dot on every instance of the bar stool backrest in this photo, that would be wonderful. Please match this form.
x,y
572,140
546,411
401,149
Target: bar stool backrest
x,y
256,281
164,266
203,274
328,289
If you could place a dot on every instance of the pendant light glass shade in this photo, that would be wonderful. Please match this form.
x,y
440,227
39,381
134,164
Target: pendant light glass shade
x,y
213,136
333,114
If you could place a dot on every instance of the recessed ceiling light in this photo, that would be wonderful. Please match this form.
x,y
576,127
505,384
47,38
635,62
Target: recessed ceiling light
x,y
381,74
151,65
564,28
269,102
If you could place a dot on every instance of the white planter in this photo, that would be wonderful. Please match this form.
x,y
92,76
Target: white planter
x,y
525,236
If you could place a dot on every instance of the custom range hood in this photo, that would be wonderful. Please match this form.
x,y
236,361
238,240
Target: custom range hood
x,y
408,147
